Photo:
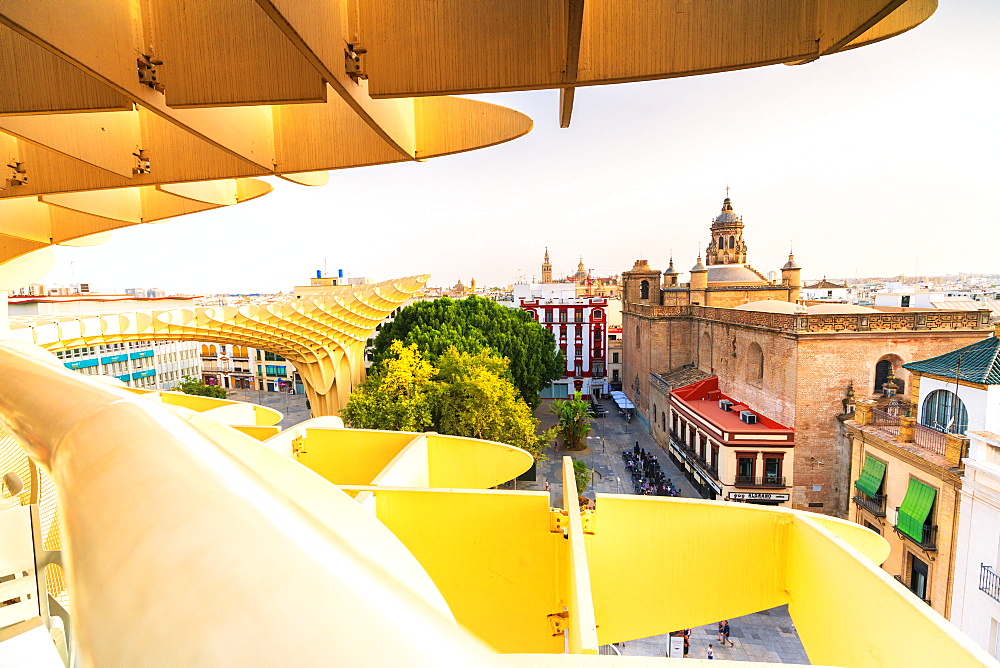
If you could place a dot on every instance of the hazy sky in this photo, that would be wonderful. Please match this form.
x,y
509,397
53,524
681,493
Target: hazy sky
x,y
879,161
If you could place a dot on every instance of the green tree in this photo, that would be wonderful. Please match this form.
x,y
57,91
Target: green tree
x,y
466,394
574,421
474,324
474,398
582,475
396,396
192,385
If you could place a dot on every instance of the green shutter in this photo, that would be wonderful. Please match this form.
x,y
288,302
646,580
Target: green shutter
x,y
915,509
871,476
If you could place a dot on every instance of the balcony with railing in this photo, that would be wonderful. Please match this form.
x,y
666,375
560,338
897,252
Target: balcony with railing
x,y
760,481
989,582
873,504
928,536
906,583
693,456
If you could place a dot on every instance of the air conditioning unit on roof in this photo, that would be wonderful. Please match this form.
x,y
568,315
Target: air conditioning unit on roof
x,y
725,404
748,417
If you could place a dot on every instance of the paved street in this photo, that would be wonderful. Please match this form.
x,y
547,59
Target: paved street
x,y
291,406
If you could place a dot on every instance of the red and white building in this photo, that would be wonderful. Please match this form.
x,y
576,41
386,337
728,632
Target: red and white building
x,y
724,446
580,327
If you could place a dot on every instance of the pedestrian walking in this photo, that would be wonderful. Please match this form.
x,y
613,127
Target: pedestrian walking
x,y
711,651
546,484
720,625
725,633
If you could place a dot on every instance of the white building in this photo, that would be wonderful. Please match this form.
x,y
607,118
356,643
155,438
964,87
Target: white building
x,y
143,364
960,391
827,291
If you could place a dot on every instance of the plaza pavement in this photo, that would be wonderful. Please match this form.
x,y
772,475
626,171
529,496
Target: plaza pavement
x,y
766,636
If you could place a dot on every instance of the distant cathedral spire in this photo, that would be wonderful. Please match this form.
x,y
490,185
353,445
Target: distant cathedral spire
x,y
546,268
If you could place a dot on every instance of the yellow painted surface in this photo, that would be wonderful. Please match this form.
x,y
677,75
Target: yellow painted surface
x,y
471,463
835,595
351,457
491,555
690,562
582,628
257,432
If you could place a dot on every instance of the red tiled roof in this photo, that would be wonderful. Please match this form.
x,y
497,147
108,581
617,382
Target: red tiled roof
x,y
696,399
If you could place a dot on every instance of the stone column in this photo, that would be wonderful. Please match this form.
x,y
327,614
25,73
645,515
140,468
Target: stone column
x,y
863,411
956,446
906,429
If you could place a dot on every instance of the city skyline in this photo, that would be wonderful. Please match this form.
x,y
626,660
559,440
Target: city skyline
x,y
864,162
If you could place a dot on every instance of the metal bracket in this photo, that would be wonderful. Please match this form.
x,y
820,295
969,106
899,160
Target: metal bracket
x,y
18,174
558,520
354,63
142,165
558,623
589,520
147,72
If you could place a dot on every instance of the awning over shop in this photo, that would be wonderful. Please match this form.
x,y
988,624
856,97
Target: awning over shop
x,y
871,476
915,509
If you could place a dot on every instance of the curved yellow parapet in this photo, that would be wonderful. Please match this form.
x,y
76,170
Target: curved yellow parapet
x,y
361,457
214,533
180,553
323,336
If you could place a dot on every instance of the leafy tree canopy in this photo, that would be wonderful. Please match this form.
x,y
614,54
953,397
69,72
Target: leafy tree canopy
x,y
192,385
471,325
398,395
463,394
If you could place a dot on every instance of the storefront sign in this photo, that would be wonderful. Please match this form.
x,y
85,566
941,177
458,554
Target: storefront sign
x,y
757,496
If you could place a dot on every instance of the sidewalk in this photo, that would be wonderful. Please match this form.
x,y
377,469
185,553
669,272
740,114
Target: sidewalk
x,y
610,435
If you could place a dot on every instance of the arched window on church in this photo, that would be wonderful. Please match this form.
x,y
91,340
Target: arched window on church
x,y
644,290
732,242
882,370
944,411
722,243
755,364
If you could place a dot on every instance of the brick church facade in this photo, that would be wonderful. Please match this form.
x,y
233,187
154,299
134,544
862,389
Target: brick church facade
x,y
794,365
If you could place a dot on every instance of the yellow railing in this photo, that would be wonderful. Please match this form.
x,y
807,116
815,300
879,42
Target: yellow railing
x,y
190,543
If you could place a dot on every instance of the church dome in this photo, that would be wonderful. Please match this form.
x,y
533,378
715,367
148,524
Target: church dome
x,y
728,216
734,273
670,270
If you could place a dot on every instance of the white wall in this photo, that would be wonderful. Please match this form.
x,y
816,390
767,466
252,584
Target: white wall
x,y
977,402
973,611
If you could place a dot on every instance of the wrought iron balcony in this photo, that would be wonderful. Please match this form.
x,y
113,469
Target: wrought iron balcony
x,y
989,582
928,540
873,504
760,481
903,581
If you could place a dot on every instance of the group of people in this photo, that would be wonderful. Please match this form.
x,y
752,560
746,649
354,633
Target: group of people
x,y
647,476
724,630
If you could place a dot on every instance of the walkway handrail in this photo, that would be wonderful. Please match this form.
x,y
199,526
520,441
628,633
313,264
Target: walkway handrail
x,y
181,554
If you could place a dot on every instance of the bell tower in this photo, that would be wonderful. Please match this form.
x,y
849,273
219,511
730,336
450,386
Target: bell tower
x,y
726,246
546,268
